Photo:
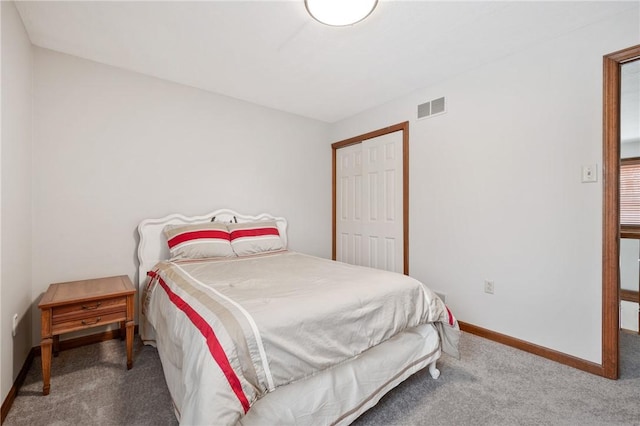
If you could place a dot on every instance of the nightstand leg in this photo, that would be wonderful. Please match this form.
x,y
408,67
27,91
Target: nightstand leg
x,y
129,344
45,350
122,329
56,345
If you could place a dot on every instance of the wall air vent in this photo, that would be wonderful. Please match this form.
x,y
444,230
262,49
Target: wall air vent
x,y
431,108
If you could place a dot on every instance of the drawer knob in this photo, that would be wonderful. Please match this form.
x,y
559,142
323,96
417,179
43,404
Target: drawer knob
x,y
91,323
90,308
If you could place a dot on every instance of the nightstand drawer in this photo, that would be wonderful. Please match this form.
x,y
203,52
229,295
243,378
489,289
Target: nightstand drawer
x,y
92,320
65,312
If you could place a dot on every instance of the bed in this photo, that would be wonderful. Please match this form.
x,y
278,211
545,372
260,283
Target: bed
x,y
251,333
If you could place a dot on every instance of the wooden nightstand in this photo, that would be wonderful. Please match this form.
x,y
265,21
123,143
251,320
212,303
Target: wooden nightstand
x,y
77,305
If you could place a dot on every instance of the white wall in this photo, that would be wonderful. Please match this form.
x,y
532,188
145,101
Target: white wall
x,y
15,207
495,190
630,149
112,148
629,316
629,278
629,257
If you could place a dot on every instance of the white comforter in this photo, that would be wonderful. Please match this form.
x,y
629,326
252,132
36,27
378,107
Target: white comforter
x,y
245,326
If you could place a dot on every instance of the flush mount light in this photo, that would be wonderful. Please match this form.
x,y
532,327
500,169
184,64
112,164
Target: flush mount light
x,y
339,13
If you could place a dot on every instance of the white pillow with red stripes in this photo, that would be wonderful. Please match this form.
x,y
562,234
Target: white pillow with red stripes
x,y
255,237
199,240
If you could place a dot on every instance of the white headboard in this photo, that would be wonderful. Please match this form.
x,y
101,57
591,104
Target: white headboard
x,y
153,244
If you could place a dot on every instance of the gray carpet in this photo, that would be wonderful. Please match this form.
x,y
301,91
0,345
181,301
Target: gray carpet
x,y
91,385
491,385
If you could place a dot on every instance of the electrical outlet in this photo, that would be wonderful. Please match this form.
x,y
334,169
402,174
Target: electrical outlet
x,y
488,286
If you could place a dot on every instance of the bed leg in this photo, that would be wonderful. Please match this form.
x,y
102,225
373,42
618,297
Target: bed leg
x,y
435,373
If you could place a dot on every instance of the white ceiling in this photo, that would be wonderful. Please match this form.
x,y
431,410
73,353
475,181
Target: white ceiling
x,y
273,53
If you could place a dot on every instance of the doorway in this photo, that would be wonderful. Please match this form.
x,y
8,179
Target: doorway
x,y
370,206
612,66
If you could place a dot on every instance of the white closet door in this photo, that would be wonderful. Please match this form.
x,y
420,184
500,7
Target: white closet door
x,y
369,203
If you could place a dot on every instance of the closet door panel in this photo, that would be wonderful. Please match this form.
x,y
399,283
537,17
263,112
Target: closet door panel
x,y
349,205
369,203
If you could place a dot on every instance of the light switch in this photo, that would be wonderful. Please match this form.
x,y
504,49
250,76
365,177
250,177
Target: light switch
x,y
590,173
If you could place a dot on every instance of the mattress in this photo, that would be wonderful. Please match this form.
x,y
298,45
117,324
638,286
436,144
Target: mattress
x,y
289,339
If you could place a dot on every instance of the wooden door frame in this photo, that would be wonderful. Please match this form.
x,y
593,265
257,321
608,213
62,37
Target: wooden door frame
x,y
611,209
404,128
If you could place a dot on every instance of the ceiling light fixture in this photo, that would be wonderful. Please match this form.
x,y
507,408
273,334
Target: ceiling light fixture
x,y
339,13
